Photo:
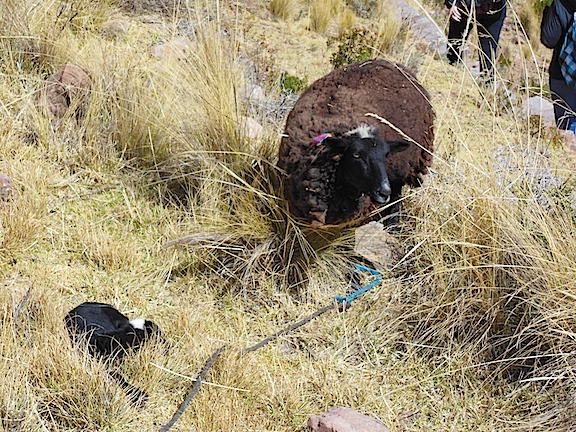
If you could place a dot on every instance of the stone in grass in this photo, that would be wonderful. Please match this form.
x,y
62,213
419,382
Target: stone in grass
x,y
115,28
70,85
250,127
177,49
374,243
6,188
539,106
342,419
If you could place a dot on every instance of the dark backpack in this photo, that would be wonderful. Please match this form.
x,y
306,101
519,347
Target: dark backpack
x,y
567,57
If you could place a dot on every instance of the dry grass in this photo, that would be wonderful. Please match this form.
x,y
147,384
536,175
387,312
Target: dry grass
x,y
388,28
321,13
283,9
474,330
346,21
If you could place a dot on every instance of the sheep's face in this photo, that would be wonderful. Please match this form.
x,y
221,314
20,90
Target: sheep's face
x,y
362,166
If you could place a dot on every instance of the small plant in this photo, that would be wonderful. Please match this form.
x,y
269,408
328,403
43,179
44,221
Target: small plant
x,y
283,9
291,83
354,46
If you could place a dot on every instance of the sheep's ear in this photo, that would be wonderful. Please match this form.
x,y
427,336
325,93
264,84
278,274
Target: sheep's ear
x,y
398,146
337,143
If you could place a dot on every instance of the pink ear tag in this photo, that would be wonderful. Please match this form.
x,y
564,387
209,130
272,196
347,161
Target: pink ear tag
x,y
317,140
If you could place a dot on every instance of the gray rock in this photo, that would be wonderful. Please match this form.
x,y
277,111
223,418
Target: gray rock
x,y
115,28
250,127
539,106
177,48
342,419
256,93
423,27
530,166
6,188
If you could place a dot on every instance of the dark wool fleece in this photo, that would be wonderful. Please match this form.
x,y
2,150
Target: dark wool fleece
x,y
338,103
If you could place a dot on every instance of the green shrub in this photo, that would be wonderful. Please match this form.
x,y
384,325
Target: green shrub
x,y
353,46
291,83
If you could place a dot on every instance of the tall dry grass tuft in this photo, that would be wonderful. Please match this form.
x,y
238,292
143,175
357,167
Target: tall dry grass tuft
x,y
346,21
34,40
494,272
388,27
321,13
283,9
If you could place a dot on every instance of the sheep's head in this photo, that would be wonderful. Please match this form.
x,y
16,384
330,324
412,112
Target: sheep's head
x,y
362,166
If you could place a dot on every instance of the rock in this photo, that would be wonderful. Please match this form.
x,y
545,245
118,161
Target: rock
x,y
70,85
256,93
424,28
177,48
376,244
250,127
538,106
115,28
345,420
6,188
186,27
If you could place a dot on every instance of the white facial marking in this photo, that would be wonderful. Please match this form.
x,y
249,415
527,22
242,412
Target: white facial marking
x,y
138,323
363,131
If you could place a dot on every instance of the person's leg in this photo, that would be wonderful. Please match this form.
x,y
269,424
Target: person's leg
x,y
457,34
489,29
564,99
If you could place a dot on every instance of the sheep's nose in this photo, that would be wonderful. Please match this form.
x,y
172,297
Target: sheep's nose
x,y
382,194
385,189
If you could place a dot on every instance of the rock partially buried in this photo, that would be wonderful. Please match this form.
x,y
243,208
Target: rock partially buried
x,y
6,188
177,49
250,127
374,243
538,106
115,28
342,419
424,28
69,86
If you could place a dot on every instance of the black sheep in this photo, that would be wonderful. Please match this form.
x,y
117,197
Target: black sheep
x,y
110,335
330,119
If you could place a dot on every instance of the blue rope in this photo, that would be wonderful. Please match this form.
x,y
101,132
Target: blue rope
x,y
348,299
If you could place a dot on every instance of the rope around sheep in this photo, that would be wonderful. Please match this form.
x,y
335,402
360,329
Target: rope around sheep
x,y
343,301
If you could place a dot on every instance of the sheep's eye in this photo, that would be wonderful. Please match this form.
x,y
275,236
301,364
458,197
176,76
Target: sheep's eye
x,y
356,155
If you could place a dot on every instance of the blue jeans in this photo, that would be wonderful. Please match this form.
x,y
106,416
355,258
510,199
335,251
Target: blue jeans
x,y
564,98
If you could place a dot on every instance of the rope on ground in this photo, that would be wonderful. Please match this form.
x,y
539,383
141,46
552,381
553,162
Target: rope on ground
x,y
288,329
21,305
343,301
195,388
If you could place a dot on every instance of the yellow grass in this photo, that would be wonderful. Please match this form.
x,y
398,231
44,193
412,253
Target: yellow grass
x,y
473,330
387,30
346,20
283,9
321,13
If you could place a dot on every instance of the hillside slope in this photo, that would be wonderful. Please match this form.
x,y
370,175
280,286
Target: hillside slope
x,y
472,330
